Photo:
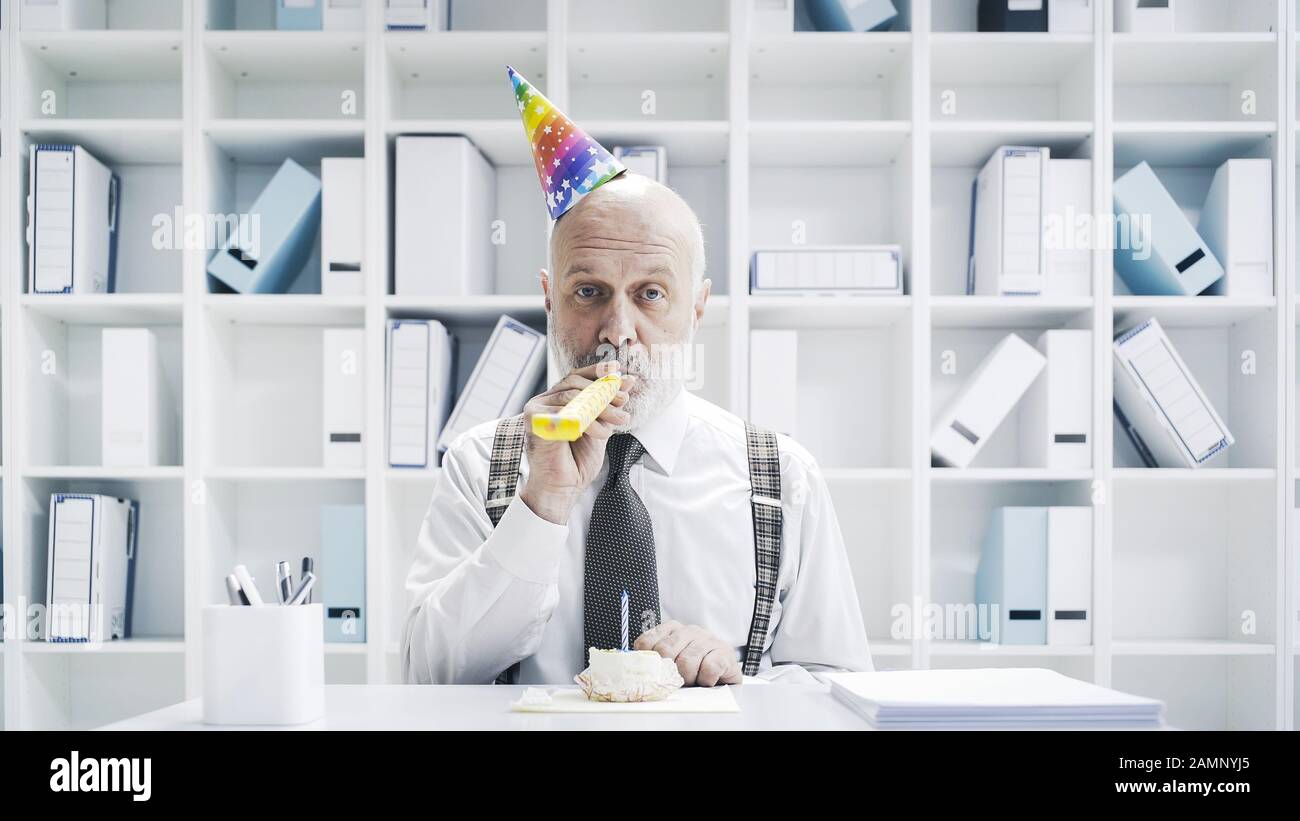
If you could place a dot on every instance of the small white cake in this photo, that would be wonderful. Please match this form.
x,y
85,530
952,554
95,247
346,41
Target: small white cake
x,y
632,675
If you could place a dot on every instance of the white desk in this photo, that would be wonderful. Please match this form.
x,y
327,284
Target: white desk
x,y
486,707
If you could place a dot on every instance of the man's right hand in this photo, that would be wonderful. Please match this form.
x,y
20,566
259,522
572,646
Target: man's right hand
x,y
558,472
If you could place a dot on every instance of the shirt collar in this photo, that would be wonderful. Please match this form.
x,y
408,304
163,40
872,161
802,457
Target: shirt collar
x,y
662,436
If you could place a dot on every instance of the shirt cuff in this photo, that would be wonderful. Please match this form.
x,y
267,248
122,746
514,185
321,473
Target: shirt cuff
x,y
527,546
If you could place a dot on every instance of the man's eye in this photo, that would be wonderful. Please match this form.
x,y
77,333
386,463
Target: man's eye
x,y
586,291
654,294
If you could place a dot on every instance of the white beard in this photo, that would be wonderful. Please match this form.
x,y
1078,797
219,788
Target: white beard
x,y
653,391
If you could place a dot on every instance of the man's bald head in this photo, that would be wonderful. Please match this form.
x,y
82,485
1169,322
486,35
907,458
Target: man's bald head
x,y
628,209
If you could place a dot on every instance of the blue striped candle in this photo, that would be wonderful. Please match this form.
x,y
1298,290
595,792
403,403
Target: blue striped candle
x,y
623,615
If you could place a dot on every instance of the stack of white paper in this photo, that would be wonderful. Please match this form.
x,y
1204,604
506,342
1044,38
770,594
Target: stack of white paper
x,y
1020,698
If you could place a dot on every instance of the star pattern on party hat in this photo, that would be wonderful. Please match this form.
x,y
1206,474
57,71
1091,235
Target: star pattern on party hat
x,y
570,164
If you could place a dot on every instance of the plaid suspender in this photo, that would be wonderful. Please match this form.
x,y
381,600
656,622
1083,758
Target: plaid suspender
x,y
503,475
765,500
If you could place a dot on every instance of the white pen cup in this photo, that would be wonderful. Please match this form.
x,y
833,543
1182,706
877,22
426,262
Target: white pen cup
x,y
263,665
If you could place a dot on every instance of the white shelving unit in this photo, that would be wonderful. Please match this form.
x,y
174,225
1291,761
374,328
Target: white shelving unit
x,y
836,138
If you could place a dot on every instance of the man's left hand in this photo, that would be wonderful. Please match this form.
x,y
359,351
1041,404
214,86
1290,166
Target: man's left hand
x,y
702,658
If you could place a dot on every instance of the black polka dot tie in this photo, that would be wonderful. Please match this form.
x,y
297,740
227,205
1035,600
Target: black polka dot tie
x,y
620,556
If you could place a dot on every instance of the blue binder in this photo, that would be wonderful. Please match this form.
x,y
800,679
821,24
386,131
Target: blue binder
x,y
298,15
343,571
864,15
1173,260
1012,574
287,215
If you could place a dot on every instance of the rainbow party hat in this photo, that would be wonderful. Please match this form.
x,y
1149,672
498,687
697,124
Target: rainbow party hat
x,y
570,164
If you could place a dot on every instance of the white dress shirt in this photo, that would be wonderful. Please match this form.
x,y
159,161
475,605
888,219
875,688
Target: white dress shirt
x,y
481,599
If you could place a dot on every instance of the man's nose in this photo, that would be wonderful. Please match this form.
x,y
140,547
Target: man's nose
x,y
619,324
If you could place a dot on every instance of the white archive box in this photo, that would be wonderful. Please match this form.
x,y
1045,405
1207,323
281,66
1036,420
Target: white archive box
x,y
263,665
1007,252
827,269
444,199
984,400
1159,403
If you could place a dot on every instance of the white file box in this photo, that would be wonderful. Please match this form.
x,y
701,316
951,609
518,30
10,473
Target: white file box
x,y
1007,255
263,665
985,399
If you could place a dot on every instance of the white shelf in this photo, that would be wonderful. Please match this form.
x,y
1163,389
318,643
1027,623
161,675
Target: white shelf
x,y
285,309
288,55
112,140
780,143
1188,143
1151,59
844,132
956,475
163,473
1160,475
121,55
1006,311
106,309
978,649
501,141
688,142
1194,311
827,311
999,59
284,474
969,143
271,141
119,647
1191,647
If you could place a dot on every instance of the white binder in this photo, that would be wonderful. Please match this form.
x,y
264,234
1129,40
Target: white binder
x,y
1170,419
1007,250
135,429
88,577
1069,575
1064,16
503,378
1056,419
1144,16
342,225
415,15
774,379
827,270
647,160
63,15
1069,254
343,407
443,211
421,357
1237,225
974,413
72,207
343,15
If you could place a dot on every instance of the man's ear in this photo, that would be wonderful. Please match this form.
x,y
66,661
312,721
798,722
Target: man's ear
x,y
546,290
703,297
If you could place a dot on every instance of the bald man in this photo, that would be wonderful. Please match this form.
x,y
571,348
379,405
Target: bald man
x,y
723,535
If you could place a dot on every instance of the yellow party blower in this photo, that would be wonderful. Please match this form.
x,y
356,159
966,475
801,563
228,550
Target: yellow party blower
x,y
574,418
